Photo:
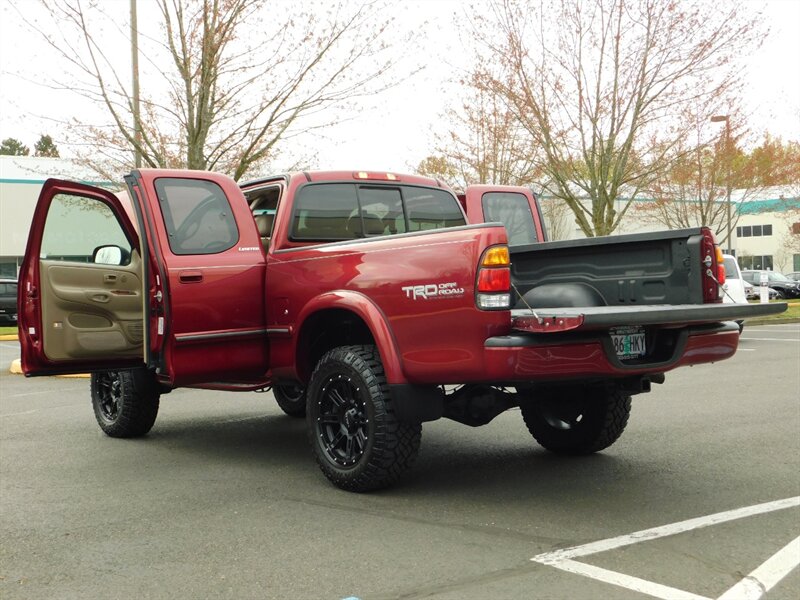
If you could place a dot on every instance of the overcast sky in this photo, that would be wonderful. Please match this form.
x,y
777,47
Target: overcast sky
x,y
397,130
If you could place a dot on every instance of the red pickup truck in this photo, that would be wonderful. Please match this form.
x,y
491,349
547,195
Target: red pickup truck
x,y
369,303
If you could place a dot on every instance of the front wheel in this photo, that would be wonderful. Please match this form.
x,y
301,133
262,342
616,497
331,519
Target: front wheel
x,y
577,420
125,403
291,398
355,436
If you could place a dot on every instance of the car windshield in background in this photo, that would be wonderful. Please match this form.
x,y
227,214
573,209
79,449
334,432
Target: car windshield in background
x,y
731,272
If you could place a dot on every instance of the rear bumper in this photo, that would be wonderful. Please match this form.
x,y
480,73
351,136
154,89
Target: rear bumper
x,y
527,357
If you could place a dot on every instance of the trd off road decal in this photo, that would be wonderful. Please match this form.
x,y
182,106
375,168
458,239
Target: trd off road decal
x,y
432,291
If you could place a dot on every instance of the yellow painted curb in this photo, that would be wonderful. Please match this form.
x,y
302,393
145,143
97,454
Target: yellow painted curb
x,y
16,369
10,337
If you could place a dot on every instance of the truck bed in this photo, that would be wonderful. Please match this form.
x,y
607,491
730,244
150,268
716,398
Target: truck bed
x,y
643,269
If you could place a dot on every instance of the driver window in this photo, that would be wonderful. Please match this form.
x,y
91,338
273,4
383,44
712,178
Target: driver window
x,y
197,216
77,226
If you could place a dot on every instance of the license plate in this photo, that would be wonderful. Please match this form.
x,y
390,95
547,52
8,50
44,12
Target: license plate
x,y
629,342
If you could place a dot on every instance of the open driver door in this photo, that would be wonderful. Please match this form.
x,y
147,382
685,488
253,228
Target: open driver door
x,y
182,293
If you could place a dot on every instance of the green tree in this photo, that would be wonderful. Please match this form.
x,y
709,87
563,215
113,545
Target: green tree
x,y
13,147
45,147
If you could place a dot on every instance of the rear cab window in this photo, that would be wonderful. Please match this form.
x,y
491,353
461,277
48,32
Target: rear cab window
x,y
514,212
328,212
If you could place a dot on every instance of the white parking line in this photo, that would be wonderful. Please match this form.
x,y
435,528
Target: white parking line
x,y
643,586
765,577
797,341
751,587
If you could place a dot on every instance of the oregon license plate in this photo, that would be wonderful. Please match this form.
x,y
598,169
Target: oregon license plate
x,y
629,342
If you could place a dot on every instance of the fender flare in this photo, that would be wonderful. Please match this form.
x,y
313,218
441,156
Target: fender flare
x,y
371,314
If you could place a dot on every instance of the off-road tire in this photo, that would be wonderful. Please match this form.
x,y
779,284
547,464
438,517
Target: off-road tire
x,y
354,434
291,399
576,420
125,403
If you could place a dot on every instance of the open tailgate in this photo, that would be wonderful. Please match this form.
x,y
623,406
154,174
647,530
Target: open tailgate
x,y
542,320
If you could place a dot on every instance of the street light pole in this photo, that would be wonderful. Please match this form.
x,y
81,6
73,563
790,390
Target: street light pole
x,y
727,119
137,119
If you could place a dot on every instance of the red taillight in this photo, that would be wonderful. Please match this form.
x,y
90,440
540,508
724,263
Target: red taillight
x,y
709,267
720,266
493,283
494,280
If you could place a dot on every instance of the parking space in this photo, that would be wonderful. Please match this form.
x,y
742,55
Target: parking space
x,y
222,499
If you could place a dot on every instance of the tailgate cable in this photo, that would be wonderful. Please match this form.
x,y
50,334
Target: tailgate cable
x,y
521,297
724,291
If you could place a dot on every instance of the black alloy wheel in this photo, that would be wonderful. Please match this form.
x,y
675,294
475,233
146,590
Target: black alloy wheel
x,y
576,420
125,402
357,441
291,398
342,420
109,395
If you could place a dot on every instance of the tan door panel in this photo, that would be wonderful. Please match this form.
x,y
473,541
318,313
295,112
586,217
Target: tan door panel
x,y
92,310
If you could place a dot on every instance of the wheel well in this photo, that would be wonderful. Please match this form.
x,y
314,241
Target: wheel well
x,y
325,330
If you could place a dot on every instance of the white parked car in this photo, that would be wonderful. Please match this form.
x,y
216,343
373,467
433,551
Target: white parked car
x,y
734,287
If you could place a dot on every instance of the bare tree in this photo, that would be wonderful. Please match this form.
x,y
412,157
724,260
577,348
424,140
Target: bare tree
x,y
224,81
599,86
484,142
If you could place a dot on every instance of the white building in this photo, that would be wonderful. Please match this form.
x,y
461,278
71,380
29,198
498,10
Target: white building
x,y
21,180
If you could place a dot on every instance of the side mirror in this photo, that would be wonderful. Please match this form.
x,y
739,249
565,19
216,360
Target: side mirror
x,y
107,255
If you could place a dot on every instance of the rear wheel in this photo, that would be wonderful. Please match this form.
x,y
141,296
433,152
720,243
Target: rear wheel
x,y
125,403
291,398
356,439
577,420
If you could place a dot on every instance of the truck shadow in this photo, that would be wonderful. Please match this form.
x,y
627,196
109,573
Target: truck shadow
x,y
454,462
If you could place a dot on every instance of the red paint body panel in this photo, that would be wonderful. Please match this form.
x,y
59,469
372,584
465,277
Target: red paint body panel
x,y
211,294
427,335
558,362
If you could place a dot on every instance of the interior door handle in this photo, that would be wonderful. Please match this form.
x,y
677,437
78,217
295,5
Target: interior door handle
x,y
110,278
190,277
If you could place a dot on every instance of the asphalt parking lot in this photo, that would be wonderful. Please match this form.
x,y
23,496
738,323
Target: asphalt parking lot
x,y
700,496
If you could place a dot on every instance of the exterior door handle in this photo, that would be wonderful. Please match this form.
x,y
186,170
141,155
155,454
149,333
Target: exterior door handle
x,y
190,277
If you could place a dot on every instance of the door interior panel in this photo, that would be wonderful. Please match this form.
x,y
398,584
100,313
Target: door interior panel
x,y
92,310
